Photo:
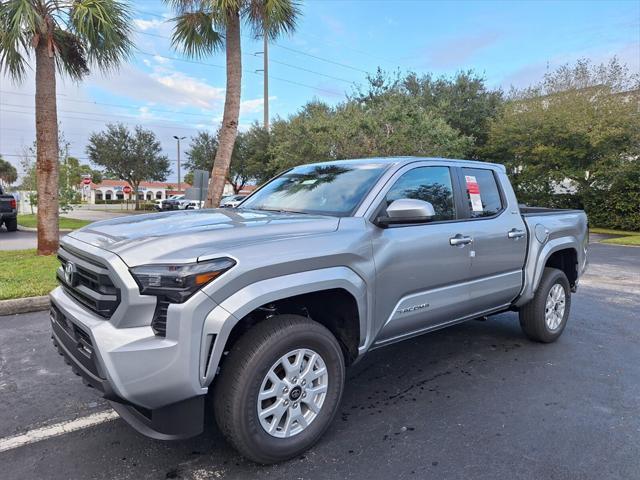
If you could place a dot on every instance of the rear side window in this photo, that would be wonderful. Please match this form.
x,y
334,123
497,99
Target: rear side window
x,y
431,184
482,192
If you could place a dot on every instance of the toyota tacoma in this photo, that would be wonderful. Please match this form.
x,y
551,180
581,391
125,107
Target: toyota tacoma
x,y
259,309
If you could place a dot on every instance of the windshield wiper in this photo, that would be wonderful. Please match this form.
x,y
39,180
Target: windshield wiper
x,y
279,210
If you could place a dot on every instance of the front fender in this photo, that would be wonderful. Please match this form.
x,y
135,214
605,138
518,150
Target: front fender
x,y
221,320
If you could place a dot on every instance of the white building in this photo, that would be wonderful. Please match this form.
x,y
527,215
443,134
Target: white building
x,y
114,190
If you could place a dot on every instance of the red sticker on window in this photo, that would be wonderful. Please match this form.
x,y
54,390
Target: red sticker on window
x,y
472,185
474,193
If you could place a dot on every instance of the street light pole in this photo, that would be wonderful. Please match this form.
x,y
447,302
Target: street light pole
x,y
178,139
265,73
265,59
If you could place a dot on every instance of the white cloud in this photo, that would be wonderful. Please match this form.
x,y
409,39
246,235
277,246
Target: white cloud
x,y
144,25
161,60
192,91
253,105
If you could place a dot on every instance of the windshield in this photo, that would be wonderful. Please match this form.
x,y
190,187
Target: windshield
x,y
331,189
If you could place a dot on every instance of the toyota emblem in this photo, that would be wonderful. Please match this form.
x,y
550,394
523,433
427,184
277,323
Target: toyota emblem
x,y
70,273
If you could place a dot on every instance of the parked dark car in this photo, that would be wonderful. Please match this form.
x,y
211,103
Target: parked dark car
x,y
172,203
8,211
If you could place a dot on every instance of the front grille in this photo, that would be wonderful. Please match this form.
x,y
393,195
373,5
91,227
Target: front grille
x,y
159,322
90,283
76,340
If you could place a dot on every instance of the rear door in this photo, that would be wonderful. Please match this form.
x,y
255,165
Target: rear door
x,y
421,278
499,237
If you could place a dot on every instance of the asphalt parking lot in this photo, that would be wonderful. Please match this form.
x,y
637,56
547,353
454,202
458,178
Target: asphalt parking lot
x,y
477,400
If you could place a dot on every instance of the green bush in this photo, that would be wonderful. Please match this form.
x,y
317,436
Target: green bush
x,y
615,201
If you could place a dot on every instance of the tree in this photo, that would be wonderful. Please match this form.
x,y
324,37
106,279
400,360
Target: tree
x,y
202,150
132,156
72,172
463,100
255,150
578,128
68,37
387,125
8,173
203,27
248,160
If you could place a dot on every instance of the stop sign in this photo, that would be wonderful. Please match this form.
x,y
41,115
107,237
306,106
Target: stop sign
x,y
126,189
86,180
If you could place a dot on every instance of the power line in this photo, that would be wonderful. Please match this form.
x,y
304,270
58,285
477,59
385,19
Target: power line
x,y
148,110
23,155
105,115
317,57
311,71
220,66
272,61
102,121
333,62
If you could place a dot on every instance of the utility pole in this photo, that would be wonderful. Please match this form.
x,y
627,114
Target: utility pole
x,y
178,139
265,67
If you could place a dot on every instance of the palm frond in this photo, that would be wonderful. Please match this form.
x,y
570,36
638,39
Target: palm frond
x,y
20,22
275,17
71,57
195,34
104,28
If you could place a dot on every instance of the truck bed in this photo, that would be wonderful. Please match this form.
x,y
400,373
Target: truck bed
x,y
526,211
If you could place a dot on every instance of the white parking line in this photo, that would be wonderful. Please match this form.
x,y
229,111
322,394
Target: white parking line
x,y
39,434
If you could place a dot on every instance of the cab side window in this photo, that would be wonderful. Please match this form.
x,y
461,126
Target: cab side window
x,y
482,192
431,184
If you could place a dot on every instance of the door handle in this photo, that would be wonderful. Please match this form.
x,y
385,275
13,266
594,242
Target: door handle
x,y
515,233
460,241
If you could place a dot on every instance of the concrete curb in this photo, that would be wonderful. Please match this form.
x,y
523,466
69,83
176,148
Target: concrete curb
x,y
24,305
29,229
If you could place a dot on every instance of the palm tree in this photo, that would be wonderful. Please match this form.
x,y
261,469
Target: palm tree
x,y
67,36
203,27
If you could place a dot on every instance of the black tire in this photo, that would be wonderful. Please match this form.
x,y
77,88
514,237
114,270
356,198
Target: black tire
x,y
11,224
532,315
235,393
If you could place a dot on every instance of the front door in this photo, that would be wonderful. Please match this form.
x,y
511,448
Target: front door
x,y
420,275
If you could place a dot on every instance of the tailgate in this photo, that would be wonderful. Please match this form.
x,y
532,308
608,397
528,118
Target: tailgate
x,y
6,204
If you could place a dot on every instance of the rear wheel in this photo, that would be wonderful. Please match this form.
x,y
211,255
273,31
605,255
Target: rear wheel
x,y
11,224
279,388
544,318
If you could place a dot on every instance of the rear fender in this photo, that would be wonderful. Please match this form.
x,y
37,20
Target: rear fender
x,y
538,257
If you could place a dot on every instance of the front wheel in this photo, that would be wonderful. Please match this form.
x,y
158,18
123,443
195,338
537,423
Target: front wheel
x,y
279,388
544,318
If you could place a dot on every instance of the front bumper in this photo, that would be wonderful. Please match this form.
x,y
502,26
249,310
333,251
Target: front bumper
x,y
175,421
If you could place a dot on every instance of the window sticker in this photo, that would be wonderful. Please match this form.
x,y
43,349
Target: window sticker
x,y
474,193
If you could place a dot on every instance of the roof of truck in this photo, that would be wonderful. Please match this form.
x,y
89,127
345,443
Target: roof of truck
x,y
407,159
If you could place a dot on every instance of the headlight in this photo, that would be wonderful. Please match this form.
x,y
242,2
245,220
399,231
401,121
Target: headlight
x,y
178,282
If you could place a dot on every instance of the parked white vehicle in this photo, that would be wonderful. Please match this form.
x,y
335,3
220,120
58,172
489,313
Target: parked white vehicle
x,y
232,201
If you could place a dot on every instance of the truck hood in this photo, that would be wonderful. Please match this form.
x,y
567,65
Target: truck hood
x,y
185,236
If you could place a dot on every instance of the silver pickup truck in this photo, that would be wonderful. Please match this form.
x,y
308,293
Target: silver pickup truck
x,y
260,308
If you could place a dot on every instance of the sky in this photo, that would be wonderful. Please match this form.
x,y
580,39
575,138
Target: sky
x,y
336,43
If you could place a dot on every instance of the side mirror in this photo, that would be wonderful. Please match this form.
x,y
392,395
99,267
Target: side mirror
x,y
407,210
